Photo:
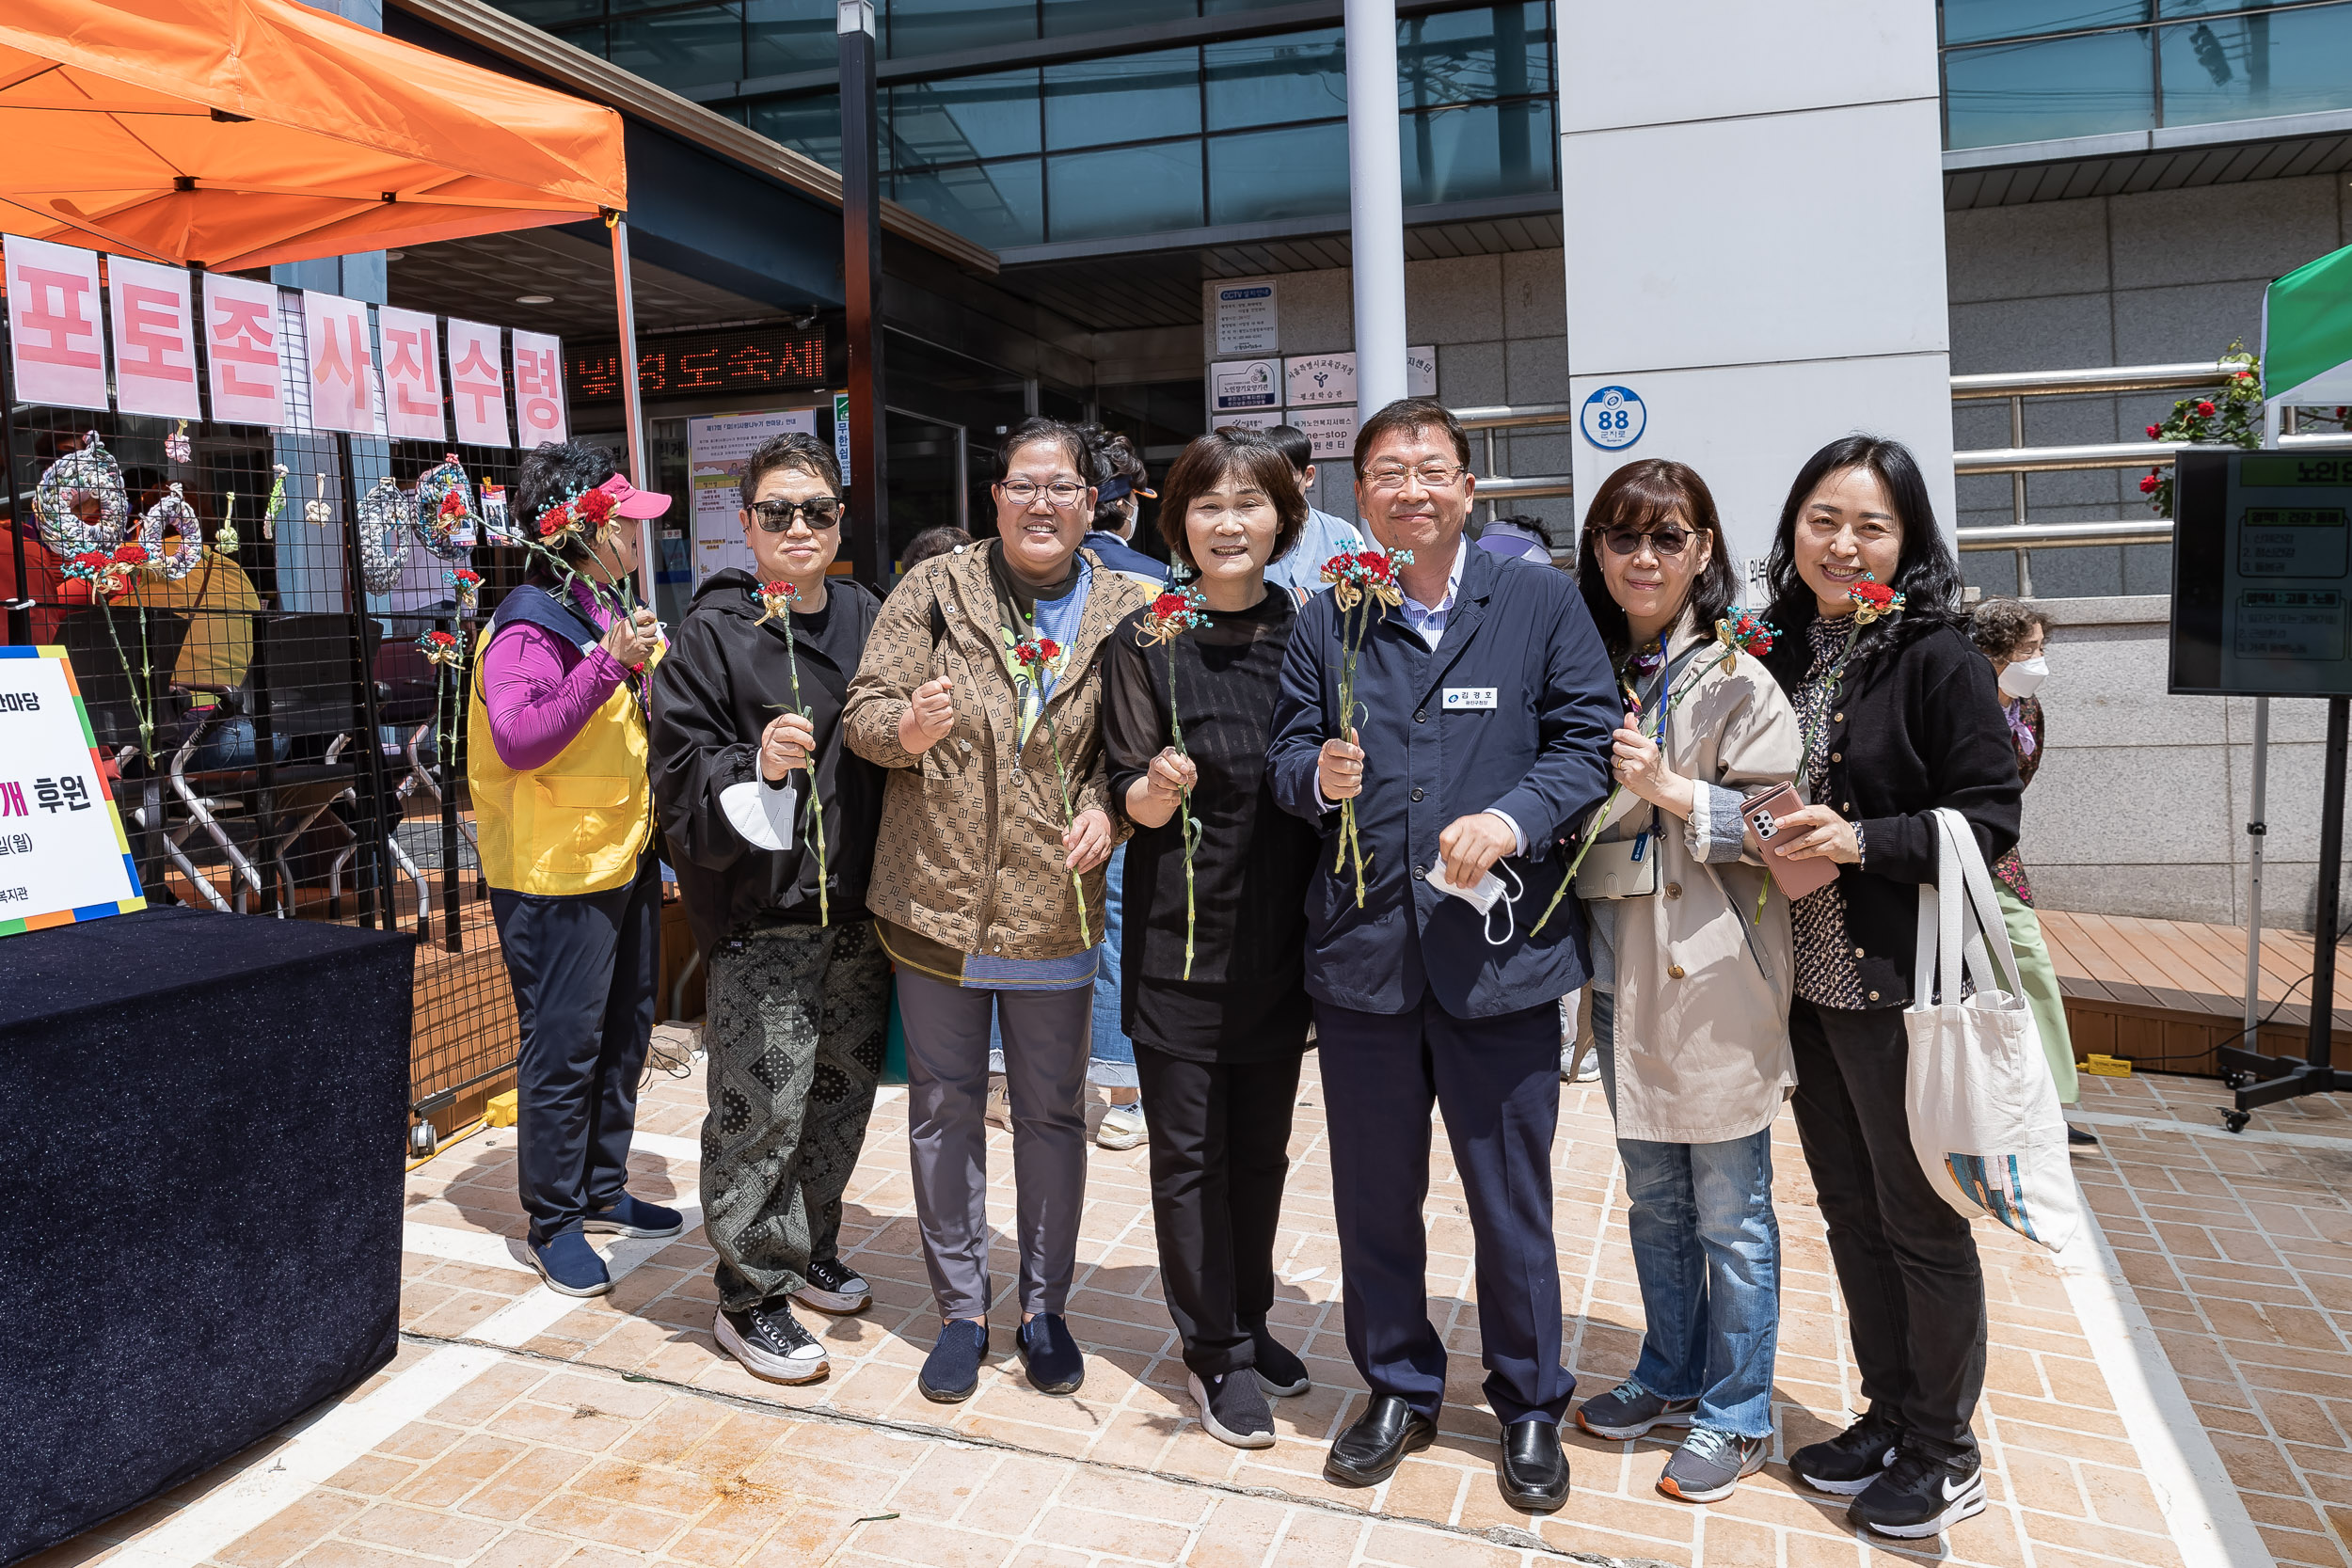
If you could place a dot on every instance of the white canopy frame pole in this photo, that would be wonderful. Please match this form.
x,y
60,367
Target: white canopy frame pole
x,y
632,405
1376,204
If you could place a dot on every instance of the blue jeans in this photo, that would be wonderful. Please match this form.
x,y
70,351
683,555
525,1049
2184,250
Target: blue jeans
x,y
1110,1054
1707,1251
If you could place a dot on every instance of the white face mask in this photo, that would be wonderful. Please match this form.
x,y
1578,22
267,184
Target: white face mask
x,y
2024,676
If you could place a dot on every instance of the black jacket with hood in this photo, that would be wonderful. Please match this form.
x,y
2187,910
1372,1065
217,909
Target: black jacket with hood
x,y
725,677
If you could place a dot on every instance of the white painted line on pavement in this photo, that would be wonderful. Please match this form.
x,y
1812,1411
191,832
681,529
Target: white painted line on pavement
x,y
2203,1130
2201,1503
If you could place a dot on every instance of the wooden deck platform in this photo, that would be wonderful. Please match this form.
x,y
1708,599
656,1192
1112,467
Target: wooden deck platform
x,y
2166,992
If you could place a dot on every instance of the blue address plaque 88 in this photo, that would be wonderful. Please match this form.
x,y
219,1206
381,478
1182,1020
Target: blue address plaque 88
x,y
1612,418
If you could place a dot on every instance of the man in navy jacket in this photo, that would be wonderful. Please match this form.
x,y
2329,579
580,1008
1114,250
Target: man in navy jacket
x,y
1484,706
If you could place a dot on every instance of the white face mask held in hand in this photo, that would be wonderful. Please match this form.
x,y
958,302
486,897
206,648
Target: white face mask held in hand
x,y
2023,677
1488,893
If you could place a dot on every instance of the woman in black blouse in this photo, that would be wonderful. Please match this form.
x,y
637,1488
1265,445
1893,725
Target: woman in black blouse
x,y
1898,718
1219,1052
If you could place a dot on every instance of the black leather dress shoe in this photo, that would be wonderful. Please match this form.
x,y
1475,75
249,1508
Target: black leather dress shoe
x,y
1377,1441
1533,1471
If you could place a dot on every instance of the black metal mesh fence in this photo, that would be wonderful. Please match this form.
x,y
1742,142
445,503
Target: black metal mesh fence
x,y
283,745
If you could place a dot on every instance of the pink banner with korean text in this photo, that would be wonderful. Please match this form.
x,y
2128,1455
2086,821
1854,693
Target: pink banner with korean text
x,y
413,409
341,368
56,342
539,413
477,384
241,331
155,339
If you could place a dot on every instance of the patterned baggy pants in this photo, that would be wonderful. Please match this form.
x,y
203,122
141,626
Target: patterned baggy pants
x,y
799,1017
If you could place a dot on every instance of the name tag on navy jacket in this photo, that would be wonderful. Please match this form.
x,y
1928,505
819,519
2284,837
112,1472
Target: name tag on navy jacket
x,y
1460,697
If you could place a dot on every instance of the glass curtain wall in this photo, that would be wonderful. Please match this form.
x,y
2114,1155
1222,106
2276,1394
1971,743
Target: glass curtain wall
x,y
2024,71
1244,131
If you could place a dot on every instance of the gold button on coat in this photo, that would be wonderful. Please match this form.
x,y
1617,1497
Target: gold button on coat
x,y
1675,971
1874,996
1674,889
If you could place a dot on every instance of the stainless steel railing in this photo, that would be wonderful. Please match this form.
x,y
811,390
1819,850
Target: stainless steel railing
x,y
1495,486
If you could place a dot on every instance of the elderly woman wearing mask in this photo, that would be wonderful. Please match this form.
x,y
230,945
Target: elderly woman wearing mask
x,y
981,691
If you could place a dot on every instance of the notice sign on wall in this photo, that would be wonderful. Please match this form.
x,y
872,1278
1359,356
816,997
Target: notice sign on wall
x,y
63,857
717,452
1248,316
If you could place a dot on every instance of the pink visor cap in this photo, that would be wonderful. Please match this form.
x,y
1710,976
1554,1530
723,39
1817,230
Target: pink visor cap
x,y
629,501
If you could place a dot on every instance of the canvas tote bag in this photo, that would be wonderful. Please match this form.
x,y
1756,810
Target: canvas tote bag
x,y
1985,1121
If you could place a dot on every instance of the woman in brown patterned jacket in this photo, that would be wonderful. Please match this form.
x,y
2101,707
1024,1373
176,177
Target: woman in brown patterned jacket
x,y
980,690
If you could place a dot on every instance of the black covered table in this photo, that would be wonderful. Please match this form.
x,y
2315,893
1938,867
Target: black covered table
x,y
199,1236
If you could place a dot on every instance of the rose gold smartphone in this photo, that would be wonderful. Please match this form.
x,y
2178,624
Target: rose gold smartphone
x,y
1763,814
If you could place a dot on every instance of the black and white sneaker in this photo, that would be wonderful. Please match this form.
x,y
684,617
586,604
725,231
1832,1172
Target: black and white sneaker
x,y
1919,1495
1233,1408
770,1343
1847,1463
834,1287
1280,1373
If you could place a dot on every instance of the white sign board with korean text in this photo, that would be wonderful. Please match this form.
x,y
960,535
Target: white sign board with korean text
x,y
412,374
1248,316
242,336
57,340
477,384
341,363
155,339
1331,430
1262,418
1313,380
1421,372
63,857
539,415
1239,386
717,452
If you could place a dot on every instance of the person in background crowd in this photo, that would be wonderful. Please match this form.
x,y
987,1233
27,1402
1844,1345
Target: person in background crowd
x,y
1689,998
973,883
798,984
1214,979
1518,538
1484,705
219,602
1300,568
55,595
2013,636
1907,721
556,766
943,540
1118,496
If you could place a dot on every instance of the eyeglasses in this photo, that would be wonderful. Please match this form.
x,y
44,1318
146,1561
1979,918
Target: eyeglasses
x,y
1433,476
1665,541
822,512
1021,492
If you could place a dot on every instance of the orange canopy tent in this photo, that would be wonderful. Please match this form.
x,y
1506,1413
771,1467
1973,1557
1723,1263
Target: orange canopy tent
x,y
242,132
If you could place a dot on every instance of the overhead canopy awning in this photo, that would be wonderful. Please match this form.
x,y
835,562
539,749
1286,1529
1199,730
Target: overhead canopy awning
x,y
239,134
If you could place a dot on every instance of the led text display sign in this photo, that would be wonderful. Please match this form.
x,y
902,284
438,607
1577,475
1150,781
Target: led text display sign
x,y
747,360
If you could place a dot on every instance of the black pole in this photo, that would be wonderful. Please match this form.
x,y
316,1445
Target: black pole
x,y
20,610
457,683
868,546
2324,931
370,871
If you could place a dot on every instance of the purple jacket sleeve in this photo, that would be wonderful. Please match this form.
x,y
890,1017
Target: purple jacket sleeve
x,y
539,691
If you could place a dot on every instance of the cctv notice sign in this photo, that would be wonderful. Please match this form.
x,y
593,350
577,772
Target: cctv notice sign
x,y
63,857
1248,316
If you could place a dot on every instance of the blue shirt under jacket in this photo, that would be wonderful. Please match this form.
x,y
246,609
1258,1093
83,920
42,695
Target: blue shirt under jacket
x,y
1538,754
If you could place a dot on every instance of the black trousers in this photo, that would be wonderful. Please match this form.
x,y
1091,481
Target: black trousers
x,y
1220,1149
1497,1080
585,969
1906,1262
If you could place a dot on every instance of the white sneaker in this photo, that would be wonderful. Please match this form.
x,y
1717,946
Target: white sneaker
x,y
1000,1108
1579,1070
1122,1128
770,1343
834,1287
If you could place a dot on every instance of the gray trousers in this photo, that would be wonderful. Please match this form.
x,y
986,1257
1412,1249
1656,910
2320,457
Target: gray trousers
x,y
799,1021
1045,1069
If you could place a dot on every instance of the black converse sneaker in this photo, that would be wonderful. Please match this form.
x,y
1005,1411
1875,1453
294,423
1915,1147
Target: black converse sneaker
x,y
1849,1461
770,1343
1920,1496
834,1287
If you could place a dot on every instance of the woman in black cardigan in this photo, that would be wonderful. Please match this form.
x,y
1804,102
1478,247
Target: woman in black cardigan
x,y
1900,716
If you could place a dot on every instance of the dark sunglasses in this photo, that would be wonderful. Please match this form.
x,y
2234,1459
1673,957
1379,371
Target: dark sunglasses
x,y
776,516
1665,541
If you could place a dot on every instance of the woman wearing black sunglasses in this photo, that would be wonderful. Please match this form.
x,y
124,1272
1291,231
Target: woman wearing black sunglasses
x,y
747,718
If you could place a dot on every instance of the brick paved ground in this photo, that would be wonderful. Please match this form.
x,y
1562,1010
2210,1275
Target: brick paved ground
x,y
521,1429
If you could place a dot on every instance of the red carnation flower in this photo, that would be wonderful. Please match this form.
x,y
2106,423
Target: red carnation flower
x,y
452,505
2205,410
467,574
554,520
1050,648
1876,595
595,506
131,555
2148,485
91,560
1167,605
2154,431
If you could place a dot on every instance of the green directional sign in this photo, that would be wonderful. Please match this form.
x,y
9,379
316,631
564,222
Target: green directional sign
x,y
2307,333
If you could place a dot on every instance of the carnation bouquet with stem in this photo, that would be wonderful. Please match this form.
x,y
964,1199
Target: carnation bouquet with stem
x,y
1739,631
586,517
775,603
2231,416
109,576
444,650
1170,616
1364,586
1035,660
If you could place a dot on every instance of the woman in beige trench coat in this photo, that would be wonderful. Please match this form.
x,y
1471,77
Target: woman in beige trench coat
x,y
1692,978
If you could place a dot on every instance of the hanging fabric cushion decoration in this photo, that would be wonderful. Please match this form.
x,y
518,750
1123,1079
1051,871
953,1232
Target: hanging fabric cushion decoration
x,y
81,501
315,511
445,519
384,512
173,534
177,448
